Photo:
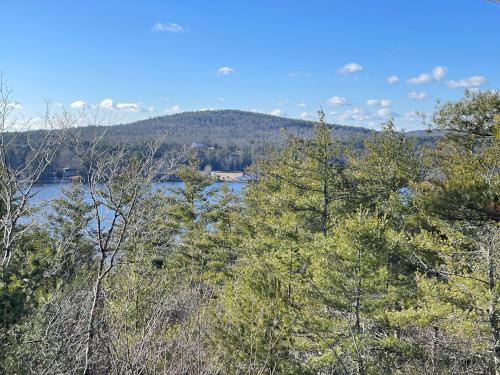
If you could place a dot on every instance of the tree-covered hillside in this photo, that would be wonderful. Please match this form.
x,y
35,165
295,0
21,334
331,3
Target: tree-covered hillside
x,y
224,140
223,127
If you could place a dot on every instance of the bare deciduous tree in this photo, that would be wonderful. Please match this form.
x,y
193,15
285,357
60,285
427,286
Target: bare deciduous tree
x,y
17,182
116,182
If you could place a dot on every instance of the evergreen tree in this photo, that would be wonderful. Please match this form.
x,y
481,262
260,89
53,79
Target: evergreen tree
x,y
388,169
459,290
300,194
69,223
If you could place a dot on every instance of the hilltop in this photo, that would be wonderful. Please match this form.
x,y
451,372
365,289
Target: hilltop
x,y
223,139
228,140
222,127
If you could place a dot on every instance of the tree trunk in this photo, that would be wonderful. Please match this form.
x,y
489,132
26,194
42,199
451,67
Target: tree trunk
x,y
492,308
357,308
90,326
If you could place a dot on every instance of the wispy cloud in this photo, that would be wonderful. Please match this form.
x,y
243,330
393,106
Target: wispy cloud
x,y
362,115
277,112
393,79
414,116
437,74
384,112
304,116
170,27
301,105
378,102
14,105
336,101
422,78
355,114
106,103
350,68
417,95
110,104
474,81
128,107
78,104
174,109
224,71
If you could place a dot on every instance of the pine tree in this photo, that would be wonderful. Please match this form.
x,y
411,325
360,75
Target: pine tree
x,y
459,289
299,195
69,221
388,169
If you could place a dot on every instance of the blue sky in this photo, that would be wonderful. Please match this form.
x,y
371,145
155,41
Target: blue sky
x,y
150,58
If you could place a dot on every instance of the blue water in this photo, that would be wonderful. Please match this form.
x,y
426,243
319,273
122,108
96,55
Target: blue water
x,y
46,194
49,192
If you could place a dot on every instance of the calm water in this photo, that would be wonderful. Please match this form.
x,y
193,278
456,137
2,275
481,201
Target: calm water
x,y
46,194
49,192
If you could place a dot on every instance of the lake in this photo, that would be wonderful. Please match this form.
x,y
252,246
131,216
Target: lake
x,y
46,194
49,192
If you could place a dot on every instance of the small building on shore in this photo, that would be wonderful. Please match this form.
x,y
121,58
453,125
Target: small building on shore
x,y
71,174
227,176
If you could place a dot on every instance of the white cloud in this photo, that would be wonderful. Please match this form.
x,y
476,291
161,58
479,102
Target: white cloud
x,y
124,107
422,78
282,102
417,95
355,114
361,115
128,107
14,105
385,103
304,116
221,98
337,100
438,72
350,68
393,79
78,104
224,71
383,112
412,116
277,112
378,103
170,27
301,105
173,110
474,81
106,103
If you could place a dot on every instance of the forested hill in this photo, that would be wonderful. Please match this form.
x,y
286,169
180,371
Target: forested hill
x,y
221,128
229,139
